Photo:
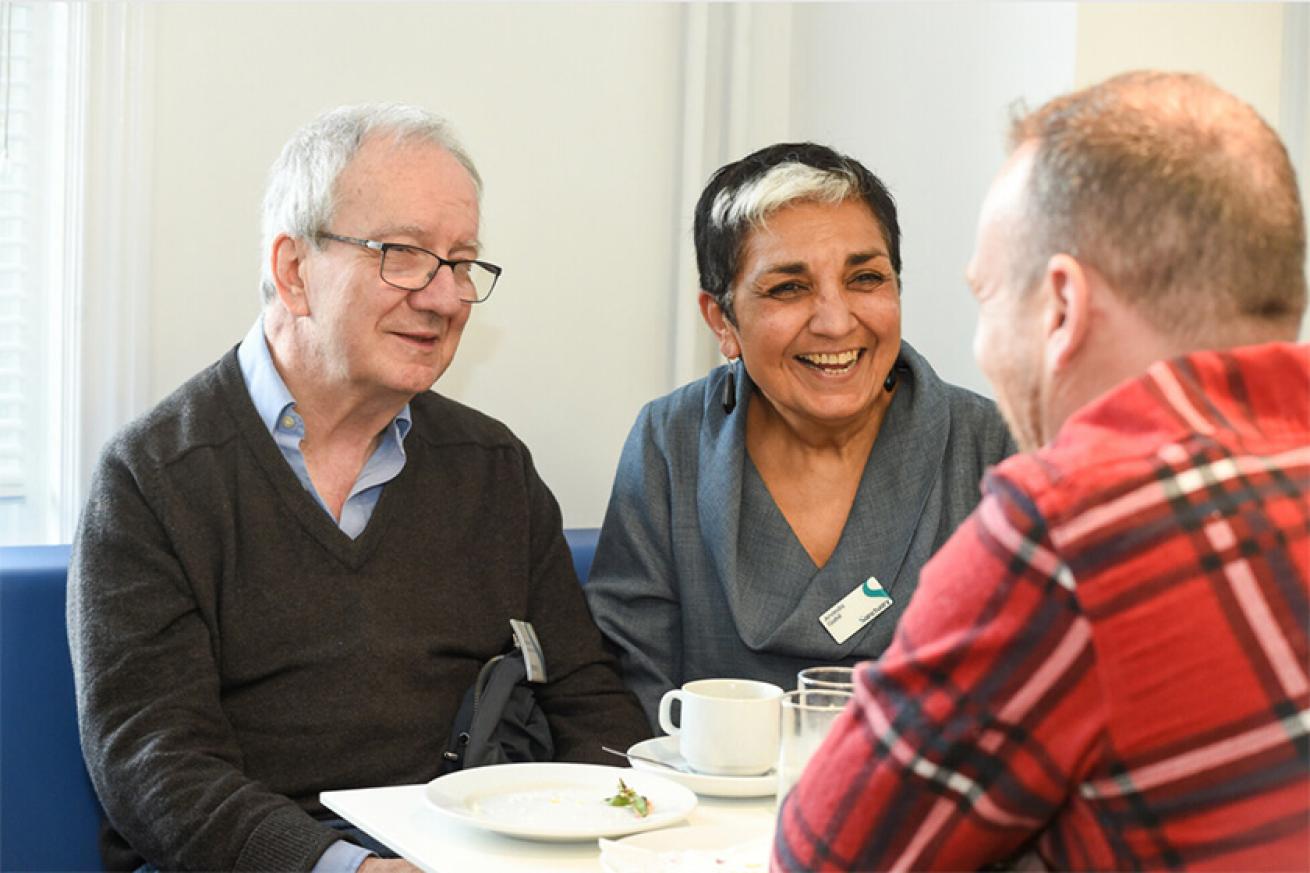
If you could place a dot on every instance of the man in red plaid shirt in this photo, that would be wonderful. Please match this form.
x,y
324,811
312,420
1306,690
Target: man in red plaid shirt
x,y
1107,666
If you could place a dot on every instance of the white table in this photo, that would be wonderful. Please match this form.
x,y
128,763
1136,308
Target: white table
x,y
402,819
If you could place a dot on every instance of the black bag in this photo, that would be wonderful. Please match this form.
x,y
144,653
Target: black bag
x,y
499,720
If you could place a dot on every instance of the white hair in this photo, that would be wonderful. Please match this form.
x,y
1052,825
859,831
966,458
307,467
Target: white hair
x,y
785,183
300,197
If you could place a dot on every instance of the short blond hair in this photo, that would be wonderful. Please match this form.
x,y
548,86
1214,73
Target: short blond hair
x,y
1176,191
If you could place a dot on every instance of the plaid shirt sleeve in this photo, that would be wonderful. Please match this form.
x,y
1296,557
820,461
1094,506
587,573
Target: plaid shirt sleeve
x,y
973,727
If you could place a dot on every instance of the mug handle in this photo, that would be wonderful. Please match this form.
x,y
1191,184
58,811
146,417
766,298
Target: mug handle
x,y
666,710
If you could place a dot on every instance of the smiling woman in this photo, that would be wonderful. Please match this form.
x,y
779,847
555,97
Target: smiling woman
x,y
825,462
816,320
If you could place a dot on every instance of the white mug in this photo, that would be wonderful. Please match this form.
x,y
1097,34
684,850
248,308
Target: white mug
x,y
728,727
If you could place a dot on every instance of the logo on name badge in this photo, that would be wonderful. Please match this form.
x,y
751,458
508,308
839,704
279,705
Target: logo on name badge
x,y
855,610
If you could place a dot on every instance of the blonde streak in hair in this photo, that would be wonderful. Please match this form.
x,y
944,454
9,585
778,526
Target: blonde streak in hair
x,y
781,185
719,209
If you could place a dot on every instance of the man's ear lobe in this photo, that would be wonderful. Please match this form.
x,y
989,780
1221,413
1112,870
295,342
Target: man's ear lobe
x,y
717,319
287,262
1066,309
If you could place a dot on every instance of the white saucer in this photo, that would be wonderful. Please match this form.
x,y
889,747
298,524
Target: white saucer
x,y
666,749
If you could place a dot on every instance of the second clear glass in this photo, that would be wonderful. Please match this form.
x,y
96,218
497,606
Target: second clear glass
x,y
826,679
806,717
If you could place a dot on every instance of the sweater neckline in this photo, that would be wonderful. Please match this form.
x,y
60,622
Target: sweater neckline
x,y
896,486
299,503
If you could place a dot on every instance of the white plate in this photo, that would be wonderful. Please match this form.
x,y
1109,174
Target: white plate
x,y
556,802
666,749
717,848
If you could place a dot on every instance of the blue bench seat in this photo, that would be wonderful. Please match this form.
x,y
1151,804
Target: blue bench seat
x,y
49,815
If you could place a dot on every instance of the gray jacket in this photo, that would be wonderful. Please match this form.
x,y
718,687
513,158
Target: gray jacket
x,y
697,572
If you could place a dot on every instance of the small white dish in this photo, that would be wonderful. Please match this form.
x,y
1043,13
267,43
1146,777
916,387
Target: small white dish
x,y
666,749
556,802
709,848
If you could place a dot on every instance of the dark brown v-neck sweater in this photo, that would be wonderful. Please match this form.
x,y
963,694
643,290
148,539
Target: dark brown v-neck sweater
x,y
236,653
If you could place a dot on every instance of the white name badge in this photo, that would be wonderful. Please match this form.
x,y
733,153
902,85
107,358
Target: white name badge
x,y
855,610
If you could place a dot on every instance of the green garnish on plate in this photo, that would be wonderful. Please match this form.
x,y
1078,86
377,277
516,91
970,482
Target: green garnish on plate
x,y
628,797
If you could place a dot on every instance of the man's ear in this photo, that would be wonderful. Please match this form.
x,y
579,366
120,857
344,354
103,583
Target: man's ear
x,y
1066,292
287,263
717,319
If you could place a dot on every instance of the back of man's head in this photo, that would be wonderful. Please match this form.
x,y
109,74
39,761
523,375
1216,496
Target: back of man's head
x,y
1179,194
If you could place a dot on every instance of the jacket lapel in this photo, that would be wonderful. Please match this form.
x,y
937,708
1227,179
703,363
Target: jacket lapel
x,y
718,479
779,610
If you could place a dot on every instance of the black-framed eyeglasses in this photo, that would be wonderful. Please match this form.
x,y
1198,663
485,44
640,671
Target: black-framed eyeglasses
x,y
411,268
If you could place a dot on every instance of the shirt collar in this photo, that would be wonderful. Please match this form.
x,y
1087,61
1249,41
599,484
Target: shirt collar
x,y
270,394
267,390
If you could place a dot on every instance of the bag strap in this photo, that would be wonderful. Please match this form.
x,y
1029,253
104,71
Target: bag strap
x,y
525,640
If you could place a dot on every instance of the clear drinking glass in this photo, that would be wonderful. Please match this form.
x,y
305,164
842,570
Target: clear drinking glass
x,y
826,679
806,716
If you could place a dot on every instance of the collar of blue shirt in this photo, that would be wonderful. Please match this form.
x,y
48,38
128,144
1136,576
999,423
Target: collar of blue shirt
x,y
277,409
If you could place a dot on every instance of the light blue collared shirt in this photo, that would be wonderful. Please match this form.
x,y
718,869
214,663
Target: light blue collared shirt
x,y
277,409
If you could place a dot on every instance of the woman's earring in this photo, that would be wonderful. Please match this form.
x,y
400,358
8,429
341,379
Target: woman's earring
x,y
890,382
730,389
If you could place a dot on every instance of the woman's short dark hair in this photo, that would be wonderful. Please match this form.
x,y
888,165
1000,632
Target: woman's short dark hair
x,y
740,196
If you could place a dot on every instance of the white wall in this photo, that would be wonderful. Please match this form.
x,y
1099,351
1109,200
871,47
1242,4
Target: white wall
x,y
572,114
919,94
1239,45
594,126
1243,47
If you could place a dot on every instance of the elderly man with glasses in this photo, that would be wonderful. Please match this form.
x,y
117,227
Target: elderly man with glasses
x,y
290,571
